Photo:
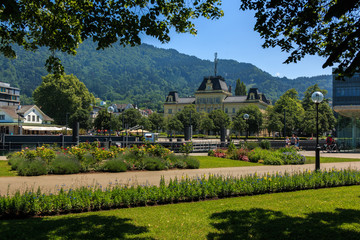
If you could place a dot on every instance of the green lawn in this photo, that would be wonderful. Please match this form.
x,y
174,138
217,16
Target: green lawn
x,y
331,159
5,169
332,213
214,162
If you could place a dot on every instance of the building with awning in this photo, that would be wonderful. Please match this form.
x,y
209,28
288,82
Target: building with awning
x,y
26,119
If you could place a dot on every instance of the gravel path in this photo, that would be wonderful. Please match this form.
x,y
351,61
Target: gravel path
x,y
51,183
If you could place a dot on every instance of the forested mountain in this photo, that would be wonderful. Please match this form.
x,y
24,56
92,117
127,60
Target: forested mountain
x,y
144,74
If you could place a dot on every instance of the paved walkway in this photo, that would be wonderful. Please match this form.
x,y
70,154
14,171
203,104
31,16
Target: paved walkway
x,y
51,183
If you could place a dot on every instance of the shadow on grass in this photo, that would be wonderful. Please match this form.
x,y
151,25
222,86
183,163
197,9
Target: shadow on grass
x,y
81,227
267,224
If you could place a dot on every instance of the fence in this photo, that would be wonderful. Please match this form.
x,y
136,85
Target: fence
x,y
18,142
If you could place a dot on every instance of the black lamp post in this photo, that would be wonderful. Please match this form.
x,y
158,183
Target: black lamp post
x,y
110,111
19,119
317,98
246,118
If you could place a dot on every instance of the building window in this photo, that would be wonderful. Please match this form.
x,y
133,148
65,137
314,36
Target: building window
x,y
37,118
29,118
226,110
2,117
170,111
33,118
233,110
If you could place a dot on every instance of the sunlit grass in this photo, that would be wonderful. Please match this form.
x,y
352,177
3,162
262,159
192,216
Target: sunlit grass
x,y
332,213
5,169
331,159
215,162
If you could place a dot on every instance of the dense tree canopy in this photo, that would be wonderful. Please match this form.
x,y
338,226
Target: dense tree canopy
x,y
255,121
59,96
157,121
329,28
206,123
63,25
220,119
189,116
294,112
274,120
327,120
131,117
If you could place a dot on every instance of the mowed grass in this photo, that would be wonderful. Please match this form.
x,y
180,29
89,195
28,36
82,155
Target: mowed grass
x,y
331,159
332,213
215,162
5,169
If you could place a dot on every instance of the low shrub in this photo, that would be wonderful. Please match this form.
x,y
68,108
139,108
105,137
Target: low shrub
x,y
186,148
114,165
240,154
251,145
192,163
231,147
287,149
153,164
211,153
273,160
178,161
256,154
64,165
34,167
265,144
292,158
14,162
220,153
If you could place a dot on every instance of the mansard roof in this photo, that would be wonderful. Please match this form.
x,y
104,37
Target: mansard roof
x,y
235,99
218,83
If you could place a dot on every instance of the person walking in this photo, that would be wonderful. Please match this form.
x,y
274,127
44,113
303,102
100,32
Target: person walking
x,y
287,142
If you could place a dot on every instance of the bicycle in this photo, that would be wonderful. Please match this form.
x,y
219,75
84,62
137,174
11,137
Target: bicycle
x,y
330,148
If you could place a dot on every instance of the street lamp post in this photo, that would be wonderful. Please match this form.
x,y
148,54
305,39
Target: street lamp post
x,y
317,98
110,110
246,118
19,119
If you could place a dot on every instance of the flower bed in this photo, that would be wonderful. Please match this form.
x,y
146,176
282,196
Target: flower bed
x,y
258,155
176,190
89,157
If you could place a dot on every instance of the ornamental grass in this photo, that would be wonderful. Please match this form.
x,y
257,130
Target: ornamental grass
x,y
96,197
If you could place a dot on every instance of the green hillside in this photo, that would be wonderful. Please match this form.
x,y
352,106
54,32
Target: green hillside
x,y
144,74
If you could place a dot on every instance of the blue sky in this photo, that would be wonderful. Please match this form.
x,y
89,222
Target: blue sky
x,y
233,37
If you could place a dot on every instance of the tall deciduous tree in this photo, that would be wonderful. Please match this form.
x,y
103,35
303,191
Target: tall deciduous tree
x,y
327,28
290,104
188,116
173,124
206,123
327,120
59,96
157,121
220,119
273,120
255,121
131,117
63,25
